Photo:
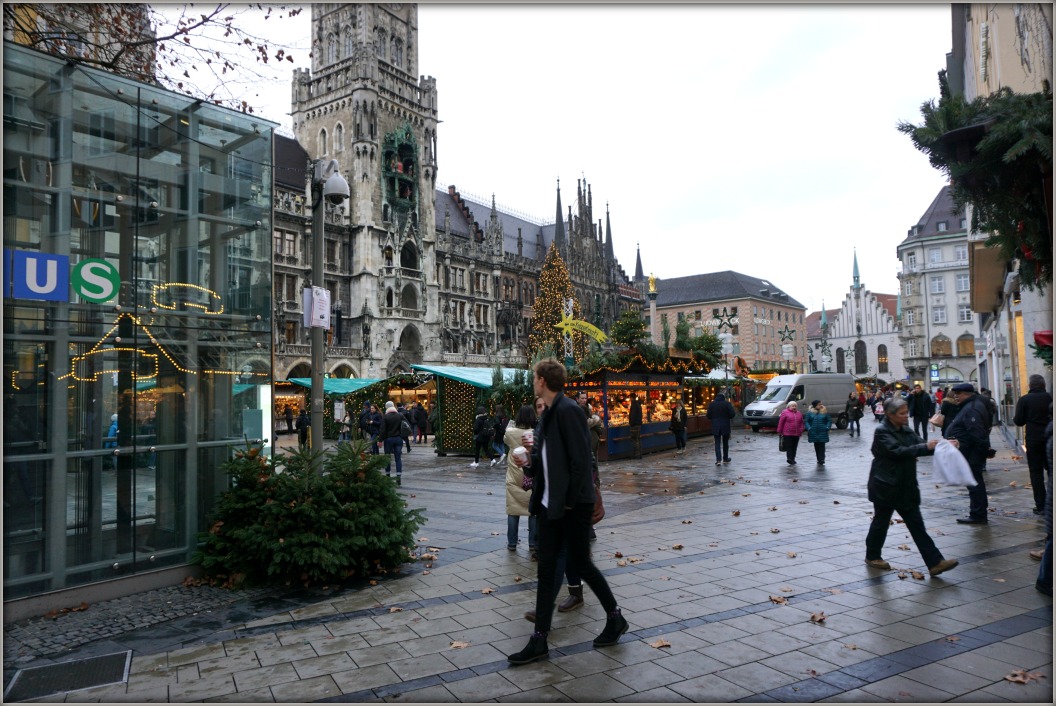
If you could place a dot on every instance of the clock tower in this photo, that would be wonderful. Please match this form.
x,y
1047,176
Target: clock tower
x,y
363,104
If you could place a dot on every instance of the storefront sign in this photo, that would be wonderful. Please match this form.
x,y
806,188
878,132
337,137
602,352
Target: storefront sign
x,y
46,277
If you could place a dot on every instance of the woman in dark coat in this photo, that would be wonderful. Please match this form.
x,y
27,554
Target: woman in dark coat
x,y
893,488
720,412
818,421
678,427
483,431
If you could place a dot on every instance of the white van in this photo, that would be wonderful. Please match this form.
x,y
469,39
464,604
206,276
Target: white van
x,y
831,388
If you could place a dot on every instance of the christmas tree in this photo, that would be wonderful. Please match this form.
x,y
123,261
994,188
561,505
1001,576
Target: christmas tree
x,y
555,288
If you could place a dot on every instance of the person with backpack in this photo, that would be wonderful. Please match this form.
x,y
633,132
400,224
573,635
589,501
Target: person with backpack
x,y
483,431
406,431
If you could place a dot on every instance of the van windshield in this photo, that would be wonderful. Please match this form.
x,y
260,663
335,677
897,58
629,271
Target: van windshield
x,y
776,393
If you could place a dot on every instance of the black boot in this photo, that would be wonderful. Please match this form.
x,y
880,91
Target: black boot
x,y
615,625
534,650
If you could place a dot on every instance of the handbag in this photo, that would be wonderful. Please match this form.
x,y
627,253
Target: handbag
x,y
599,508
781,443
951,468
527,482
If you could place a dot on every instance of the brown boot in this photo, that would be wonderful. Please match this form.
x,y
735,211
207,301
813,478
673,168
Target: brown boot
x,y
530,616
574,600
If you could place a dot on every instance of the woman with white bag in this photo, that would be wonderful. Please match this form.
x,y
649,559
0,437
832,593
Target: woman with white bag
x,y
893,488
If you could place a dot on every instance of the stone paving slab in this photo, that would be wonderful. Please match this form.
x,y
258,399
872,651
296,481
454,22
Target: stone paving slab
x,y
749,535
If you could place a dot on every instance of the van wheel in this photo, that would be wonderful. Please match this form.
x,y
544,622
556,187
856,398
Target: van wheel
x,y
841,421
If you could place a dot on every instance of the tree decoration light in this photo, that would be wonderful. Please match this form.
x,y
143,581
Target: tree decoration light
x,y
555,288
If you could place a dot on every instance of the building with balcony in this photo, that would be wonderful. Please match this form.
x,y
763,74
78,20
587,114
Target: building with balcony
x,y
939,326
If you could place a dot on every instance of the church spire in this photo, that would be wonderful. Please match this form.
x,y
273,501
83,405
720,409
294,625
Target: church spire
x,y
639,274
559,232
610,256
857,279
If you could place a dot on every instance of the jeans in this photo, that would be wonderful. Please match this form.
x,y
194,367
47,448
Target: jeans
x,y
500,448
722,447
853,424
374,444
513,526
573,530
977,502
1045,570
394,446
920,426
635,435
910,514
791,444
819,451
1036,465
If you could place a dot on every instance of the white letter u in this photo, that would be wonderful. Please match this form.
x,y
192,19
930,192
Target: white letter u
x,y
31,276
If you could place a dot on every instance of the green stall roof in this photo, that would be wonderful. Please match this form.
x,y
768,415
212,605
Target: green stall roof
x,y
338,386
477,377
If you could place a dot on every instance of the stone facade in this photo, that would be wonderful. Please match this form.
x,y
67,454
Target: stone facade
x,y
418,274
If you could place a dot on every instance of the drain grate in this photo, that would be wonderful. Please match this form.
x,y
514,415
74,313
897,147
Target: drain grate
x,y
35,682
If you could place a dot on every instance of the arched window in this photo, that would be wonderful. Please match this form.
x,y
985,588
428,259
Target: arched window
x,y
966,345
397,52
339,137
861,363
323,145
388,298
940,346
881,358
409,256
409,298
379,42
839,361
349,42
331,49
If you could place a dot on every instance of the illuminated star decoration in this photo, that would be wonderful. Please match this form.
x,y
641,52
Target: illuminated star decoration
x,y
787,334
725,319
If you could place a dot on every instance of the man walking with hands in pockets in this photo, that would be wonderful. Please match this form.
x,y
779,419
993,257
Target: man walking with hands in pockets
x,y
563,498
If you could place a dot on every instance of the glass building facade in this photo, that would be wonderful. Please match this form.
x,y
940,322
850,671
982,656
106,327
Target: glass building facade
x,y
137,318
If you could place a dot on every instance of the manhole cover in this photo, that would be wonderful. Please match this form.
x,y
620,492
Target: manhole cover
x,y
35,682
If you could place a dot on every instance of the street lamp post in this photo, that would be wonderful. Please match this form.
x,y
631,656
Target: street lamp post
x,y
328,186
727,347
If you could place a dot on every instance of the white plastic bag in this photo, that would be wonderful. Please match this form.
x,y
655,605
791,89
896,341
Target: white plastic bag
x,y
951,468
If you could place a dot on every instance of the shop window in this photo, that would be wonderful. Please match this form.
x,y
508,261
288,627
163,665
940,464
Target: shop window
x,y
941,346
881,358
966,345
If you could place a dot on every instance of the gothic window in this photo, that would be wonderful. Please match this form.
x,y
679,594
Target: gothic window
x,y
860,358
388,298
409,298
388,257
349,42
839,361
323,145
397,52
331,49
379,42
881,358
409,256
339,138
966,345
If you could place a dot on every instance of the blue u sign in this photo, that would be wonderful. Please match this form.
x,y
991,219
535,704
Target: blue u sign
x,y
36,275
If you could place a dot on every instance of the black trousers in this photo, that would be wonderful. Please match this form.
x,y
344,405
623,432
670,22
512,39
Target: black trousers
x,y
920,426
722,447
977,501
874,541
1036,465
791,444
574,531
819,450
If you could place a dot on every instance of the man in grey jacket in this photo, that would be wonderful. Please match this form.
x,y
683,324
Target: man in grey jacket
x,y
971,429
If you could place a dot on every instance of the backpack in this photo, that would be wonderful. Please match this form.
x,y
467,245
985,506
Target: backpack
x,y
405,429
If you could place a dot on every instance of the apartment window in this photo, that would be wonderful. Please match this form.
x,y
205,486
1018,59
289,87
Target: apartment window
x,y
942,226
907,288
960,252
911,348
696,315
935,255
964,283
681,316
911,259
938,315
964,313
911,317
937,285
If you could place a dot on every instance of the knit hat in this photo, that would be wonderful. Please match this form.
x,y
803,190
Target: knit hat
x,y
815,403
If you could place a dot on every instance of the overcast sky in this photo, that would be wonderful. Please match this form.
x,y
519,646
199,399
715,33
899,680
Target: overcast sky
x,y
754,138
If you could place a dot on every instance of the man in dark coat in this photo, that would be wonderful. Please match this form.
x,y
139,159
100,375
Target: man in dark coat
x,y
634,423
920,408
1032,412
971,429
720,412
421,421
304,423
563,498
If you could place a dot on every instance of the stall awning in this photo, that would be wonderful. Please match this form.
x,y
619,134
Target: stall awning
x,y
338,386
477,377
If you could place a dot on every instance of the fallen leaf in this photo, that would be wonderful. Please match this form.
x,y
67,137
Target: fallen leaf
x,y
833,591
903,575
953,638
835,502
487,590
850,645
458,475
687,522
635,559
817,617
427,557
779,600
517,579
772,508
904,547
665,578
791,555
428,566
918,576
395,609
786,589
433,549
1013,484
753,534
999,580
812,672
618,555
423,539
495,534
803,502
459,644
736,513
659,642
713,544
676,546
426,573
373,582
621,562
746,495
775,530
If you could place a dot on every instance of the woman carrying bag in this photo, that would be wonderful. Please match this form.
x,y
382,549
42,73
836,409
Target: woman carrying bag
x,y
818,422
790,427
893,488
